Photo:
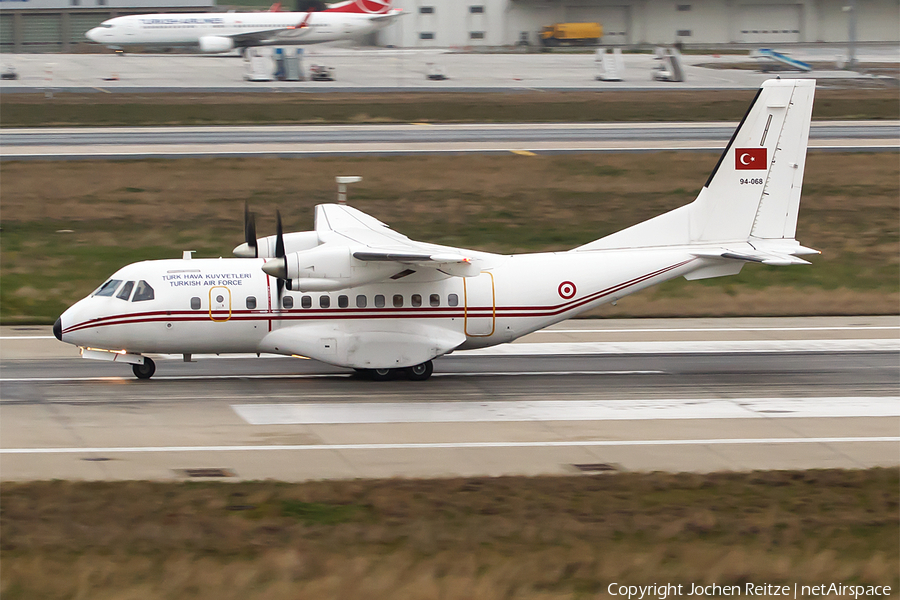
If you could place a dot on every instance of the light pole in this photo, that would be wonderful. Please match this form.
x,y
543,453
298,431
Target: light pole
x,y
851,34
342,186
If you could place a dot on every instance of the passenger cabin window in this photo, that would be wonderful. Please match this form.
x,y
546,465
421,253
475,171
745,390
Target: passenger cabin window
x,y
251,302
324,301
379,301
434,300
398,300
287,302
143,292
415,300
195,303
453,300
306,301
125,292
343,301
108,288
360,301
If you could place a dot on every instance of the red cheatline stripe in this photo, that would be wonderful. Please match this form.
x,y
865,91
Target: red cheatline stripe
x,y
315,314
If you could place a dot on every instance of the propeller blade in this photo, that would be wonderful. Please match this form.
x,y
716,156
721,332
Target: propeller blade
x,y
279,254
279,237
250,231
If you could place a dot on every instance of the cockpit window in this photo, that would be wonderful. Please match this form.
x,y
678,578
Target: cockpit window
x,y
125,292
143,292
108,288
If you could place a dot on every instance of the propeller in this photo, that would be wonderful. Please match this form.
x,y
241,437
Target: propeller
x,y
250,231
277,268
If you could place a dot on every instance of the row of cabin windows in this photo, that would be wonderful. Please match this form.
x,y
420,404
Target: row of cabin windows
x,y
142,291
343,301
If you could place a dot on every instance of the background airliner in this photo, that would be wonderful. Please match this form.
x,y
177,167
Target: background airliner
x,y
221,32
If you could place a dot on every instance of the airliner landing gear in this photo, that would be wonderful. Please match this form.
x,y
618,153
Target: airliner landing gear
x,y
415,373
381,374
146,370
420,372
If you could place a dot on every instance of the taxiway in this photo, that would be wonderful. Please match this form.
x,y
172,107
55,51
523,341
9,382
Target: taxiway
x,y
280,140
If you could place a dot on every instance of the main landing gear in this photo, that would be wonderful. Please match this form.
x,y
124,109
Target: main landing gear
x,y
146,370
419,372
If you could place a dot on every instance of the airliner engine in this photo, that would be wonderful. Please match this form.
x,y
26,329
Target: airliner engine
x,y
216,43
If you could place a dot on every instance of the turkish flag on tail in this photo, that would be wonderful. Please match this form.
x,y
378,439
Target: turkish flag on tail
x,y
749,159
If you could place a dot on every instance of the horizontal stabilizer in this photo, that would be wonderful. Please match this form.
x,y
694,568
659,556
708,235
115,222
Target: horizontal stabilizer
x,y
777,253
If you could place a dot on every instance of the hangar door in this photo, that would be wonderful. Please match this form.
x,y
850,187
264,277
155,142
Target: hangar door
x,y
7,36
613,19
766,23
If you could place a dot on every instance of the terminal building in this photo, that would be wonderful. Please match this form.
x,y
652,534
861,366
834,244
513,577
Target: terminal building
x,y
59,25
449,23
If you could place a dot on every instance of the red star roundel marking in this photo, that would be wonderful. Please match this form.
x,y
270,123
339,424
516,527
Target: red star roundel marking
x,y
374,6
750,159
566,290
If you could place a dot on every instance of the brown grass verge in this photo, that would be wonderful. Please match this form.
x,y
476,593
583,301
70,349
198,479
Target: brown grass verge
x,y
520,106
545,537
131,210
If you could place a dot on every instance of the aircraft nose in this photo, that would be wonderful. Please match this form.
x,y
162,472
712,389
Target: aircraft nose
x,y
91,34
57,329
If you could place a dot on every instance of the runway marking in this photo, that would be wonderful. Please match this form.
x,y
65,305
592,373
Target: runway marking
x,y
117,378
458,445
523,152
565,410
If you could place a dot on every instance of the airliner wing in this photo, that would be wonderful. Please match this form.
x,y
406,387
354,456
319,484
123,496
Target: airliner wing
x,y
267,35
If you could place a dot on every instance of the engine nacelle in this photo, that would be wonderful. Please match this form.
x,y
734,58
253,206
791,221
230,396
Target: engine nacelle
x,y
321,262
216,43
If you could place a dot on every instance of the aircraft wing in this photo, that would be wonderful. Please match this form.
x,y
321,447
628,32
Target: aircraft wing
x,y
373,241
256,37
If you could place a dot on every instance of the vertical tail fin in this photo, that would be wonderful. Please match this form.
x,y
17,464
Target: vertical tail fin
x,y
754,190
369,7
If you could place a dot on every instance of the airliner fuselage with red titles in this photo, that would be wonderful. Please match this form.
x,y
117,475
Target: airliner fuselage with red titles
x,y
357,294
222,32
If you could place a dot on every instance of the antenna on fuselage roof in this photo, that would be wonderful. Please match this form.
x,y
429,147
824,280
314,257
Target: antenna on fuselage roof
x,y
342,186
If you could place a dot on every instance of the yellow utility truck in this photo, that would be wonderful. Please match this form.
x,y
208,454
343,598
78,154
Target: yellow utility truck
x,y
571,34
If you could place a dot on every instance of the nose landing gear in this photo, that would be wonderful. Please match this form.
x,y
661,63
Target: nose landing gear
x,y
146,370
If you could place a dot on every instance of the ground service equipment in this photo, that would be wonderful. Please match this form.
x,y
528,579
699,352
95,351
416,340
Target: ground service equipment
x,y
571,34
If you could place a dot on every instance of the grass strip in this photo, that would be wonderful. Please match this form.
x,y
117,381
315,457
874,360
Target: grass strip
x,y
34,110
66,226
477,538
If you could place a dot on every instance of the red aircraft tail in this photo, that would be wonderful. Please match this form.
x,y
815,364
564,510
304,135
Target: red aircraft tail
x,y
368,7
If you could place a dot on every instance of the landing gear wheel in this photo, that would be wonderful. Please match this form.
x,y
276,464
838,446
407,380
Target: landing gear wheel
x,y
381,374
146,370
420,372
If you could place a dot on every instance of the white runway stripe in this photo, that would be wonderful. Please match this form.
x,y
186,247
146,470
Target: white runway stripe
x,y
565,410
457,445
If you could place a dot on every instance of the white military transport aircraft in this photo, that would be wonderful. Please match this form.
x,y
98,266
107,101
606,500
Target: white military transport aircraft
x,y
357,294
222,32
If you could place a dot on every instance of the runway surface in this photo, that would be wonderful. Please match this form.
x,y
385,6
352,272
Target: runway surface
x,y
403,70
487,413
173,142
